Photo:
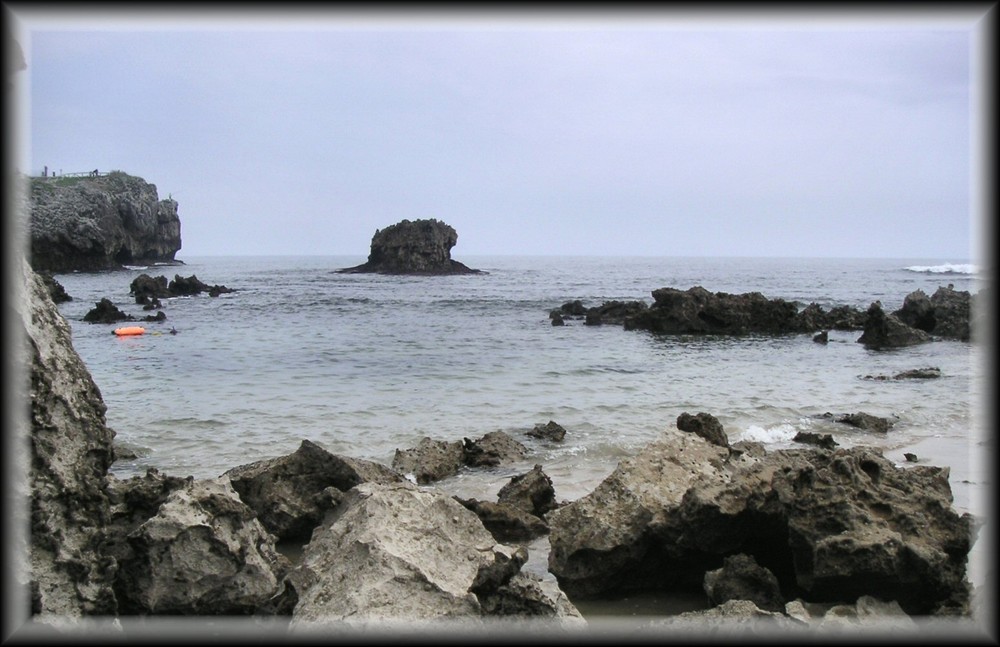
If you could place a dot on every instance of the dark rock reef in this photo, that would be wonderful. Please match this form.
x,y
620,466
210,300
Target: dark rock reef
x,y
100,222
413,247
830,525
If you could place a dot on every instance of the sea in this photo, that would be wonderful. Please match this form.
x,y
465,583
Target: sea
x,y
365,364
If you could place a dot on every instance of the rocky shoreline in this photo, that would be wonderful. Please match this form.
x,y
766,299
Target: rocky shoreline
x,y
813,540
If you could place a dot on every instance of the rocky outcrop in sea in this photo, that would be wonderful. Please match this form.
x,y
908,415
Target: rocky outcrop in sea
x,y
948,314
413,247
100,222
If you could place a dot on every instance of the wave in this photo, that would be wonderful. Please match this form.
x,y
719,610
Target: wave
x,y
944,268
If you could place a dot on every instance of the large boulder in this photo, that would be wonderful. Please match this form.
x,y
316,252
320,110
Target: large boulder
x,y
202,553
705,425
431,460
69,450
742,578
394,555
413,247
105,311
101,222
531,492
945,314
884,330
290,494
831,525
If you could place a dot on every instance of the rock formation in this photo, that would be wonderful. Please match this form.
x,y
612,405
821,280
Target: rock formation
x,y
417,247
290,494
830,525
885,330
99,223
70,452
945,314
395,555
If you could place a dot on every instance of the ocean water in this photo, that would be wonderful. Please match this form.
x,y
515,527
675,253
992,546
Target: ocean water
x,y
365,364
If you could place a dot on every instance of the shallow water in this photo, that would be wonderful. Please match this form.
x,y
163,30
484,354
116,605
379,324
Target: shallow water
x,y
367,364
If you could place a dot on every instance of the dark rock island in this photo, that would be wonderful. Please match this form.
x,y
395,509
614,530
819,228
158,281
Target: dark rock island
x,y
413,247
100,222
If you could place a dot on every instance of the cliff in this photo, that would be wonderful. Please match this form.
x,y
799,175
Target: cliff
x,y
413,247
100,222
69,452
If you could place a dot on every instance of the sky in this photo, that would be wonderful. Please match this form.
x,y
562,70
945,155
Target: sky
x,y
651,133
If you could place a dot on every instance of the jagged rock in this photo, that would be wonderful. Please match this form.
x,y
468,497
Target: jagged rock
x,y
104,311
159,316
393,555
742,578
431,460
825,441
884,330
202,553
831,525
814,317
731,620
526,595
946,314
98,223
531,492
822,337
705,425
494,448
56,290
190,286
866,421
149,290
70,451
698,311
505,522
290,494
551,430
146,289
613,312
417,247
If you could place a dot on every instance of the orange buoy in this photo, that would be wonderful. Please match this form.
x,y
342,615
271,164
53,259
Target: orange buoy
x,y
129,330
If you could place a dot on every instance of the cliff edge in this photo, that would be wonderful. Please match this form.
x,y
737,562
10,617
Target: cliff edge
x,y
100,222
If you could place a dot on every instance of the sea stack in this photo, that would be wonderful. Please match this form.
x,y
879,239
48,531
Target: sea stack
x,y
413,247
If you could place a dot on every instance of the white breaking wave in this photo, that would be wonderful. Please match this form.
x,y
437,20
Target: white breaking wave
x,y
776,434
945,268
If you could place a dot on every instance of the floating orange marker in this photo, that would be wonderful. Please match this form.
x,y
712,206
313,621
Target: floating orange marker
x,y
129,330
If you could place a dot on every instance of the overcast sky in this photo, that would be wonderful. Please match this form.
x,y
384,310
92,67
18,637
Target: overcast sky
x,y
561,133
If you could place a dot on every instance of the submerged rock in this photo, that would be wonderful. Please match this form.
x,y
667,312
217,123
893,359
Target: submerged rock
x,y
413,247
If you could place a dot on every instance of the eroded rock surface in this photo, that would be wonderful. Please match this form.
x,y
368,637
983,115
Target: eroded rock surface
x,y
831,525
290,494
413,247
